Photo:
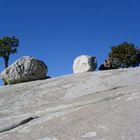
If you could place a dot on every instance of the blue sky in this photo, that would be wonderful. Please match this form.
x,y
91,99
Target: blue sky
x,y
57,31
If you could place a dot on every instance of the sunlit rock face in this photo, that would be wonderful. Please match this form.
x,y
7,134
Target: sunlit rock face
x,y
25,69
100,105
84,63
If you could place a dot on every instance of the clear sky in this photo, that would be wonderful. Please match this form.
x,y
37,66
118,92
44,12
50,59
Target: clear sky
x,y
57,31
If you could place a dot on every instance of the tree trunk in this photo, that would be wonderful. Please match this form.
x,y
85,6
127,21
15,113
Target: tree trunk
x,y
6,63
6,59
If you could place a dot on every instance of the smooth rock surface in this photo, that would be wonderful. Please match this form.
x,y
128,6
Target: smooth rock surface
x,y
84,63
25,69
89,106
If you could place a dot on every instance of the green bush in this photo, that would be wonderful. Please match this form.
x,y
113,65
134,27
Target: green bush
x,y
122,56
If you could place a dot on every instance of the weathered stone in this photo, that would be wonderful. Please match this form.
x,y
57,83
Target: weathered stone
x,y
102,105
25,69
84,63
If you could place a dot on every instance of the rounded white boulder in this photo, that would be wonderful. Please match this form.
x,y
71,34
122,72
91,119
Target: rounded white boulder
x,y
84,63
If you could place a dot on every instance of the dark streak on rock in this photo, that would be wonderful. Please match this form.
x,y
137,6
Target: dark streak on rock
x,y
114,88
18,124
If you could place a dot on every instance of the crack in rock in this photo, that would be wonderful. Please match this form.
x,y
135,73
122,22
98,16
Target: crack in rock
x,y
113,97
18,124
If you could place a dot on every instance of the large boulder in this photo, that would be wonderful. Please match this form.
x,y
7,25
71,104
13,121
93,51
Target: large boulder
x,y
25,69
84,63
